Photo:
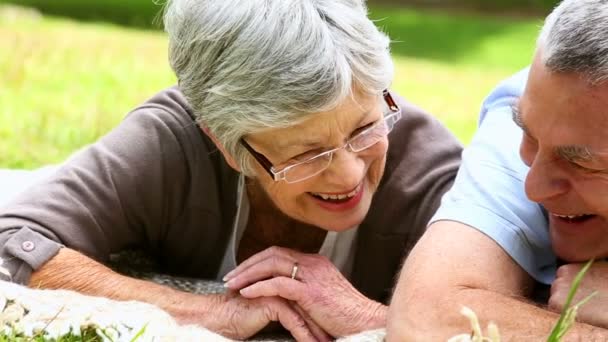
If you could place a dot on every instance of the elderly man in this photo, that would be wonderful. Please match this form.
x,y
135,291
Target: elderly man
x,y
490,248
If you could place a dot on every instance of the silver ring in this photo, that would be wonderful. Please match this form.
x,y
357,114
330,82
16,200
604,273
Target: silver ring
x,y
294,270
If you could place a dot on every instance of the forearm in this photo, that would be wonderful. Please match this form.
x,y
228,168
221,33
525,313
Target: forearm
x,y
440,316
74,271
442,274
520,319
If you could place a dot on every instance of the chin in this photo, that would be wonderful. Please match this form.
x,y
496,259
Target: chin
x,y
577,251
570,256
338,226
341,222
576,242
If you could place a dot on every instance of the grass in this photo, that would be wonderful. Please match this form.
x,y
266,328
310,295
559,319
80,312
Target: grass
x,y
568,315
66,82
88,335
92,333
139,13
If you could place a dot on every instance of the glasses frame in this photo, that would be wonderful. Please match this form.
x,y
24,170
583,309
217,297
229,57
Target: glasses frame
x,y
280,174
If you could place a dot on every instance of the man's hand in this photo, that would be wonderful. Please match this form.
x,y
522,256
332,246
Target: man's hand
x,y
595,311
318,289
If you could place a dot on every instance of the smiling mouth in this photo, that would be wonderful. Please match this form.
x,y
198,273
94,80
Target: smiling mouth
x,y
574,218
337,198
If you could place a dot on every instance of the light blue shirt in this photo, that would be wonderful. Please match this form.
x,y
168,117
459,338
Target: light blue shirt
x,y
489,194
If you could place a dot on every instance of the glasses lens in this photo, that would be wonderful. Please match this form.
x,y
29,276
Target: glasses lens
x,y
391,119
307,169
368,138
372,135
363,140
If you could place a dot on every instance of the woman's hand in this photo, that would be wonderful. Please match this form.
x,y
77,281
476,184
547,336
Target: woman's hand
x,y
236,317
317,287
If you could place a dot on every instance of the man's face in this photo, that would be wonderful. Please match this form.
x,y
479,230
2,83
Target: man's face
x,y
565,144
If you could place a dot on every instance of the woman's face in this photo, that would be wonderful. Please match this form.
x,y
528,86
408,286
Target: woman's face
x,y
351,175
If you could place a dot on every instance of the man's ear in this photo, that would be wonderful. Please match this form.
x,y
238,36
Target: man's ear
x,y
229,159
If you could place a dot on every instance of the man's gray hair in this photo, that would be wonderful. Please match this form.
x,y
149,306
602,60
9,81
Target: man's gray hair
x,y
250,65
575,39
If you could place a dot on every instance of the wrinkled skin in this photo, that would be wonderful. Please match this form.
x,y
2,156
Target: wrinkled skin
x,y
596,279
319,289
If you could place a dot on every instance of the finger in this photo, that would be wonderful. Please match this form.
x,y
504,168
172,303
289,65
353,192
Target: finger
x,y
555,303
315,329
276,287
272,266
555,287
254,259
290,319
561,271
568,270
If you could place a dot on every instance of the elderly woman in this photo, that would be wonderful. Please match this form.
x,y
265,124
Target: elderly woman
x,y
274,153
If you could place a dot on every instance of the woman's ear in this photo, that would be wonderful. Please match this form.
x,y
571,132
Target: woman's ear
x,y
229,159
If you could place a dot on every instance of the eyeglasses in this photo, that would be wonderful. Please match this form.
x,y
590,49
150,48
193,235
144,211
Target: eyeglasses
x,y
314,165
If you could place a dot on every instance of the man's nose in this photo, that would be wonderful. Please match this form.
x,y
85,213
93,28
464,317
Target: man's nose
x,y
545,180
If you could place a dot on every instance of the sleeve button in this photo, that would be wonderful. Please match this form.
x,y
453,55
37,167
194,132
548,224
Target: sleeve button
x,y
28,246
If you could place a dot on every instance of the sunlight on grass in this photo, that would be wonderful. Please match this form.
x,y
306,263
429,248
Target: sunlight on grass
x,y
447,64
452,94
65,83
498,43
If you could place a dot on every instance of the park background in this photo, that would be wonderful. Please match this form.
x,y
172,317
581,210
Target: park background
x,y
70,70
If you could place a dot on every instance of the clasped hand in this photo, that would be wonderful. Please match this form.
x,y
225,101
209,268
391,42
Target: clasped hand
x,y
596,279
318,303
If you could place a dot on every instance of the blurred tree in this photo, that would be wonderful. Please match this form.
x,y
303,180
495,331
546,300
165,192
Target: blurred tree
x,y
145,13
534,6
138,13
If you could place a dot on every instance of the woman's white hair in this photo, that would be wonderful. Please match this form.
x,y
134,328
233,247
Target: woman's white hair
x,y
250,65
574,38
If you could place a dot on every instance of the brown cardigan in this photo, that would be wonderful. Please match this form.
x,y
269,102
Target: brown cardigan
x,y
157,182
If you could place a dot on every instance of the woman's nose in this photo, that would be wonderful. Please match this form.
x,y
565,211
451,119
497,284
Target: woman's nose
x,y
346,168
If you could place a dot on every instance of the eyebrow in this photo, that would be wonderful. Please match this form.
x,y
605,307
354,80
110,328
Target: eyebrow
x,y
313,144
571,153
285,144
516,116
575,153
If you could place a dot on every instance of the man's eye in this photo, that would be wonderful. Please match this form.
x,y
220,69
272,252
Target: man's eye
x,y
585,169
582,168
528,139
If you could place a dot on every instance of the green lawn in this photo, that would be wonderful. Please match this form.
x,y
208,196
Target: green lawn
x,y
63,83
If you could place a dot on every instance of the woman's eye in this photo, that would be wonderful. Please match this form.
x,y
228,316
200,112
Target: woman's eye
x,y
304,156
362,128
